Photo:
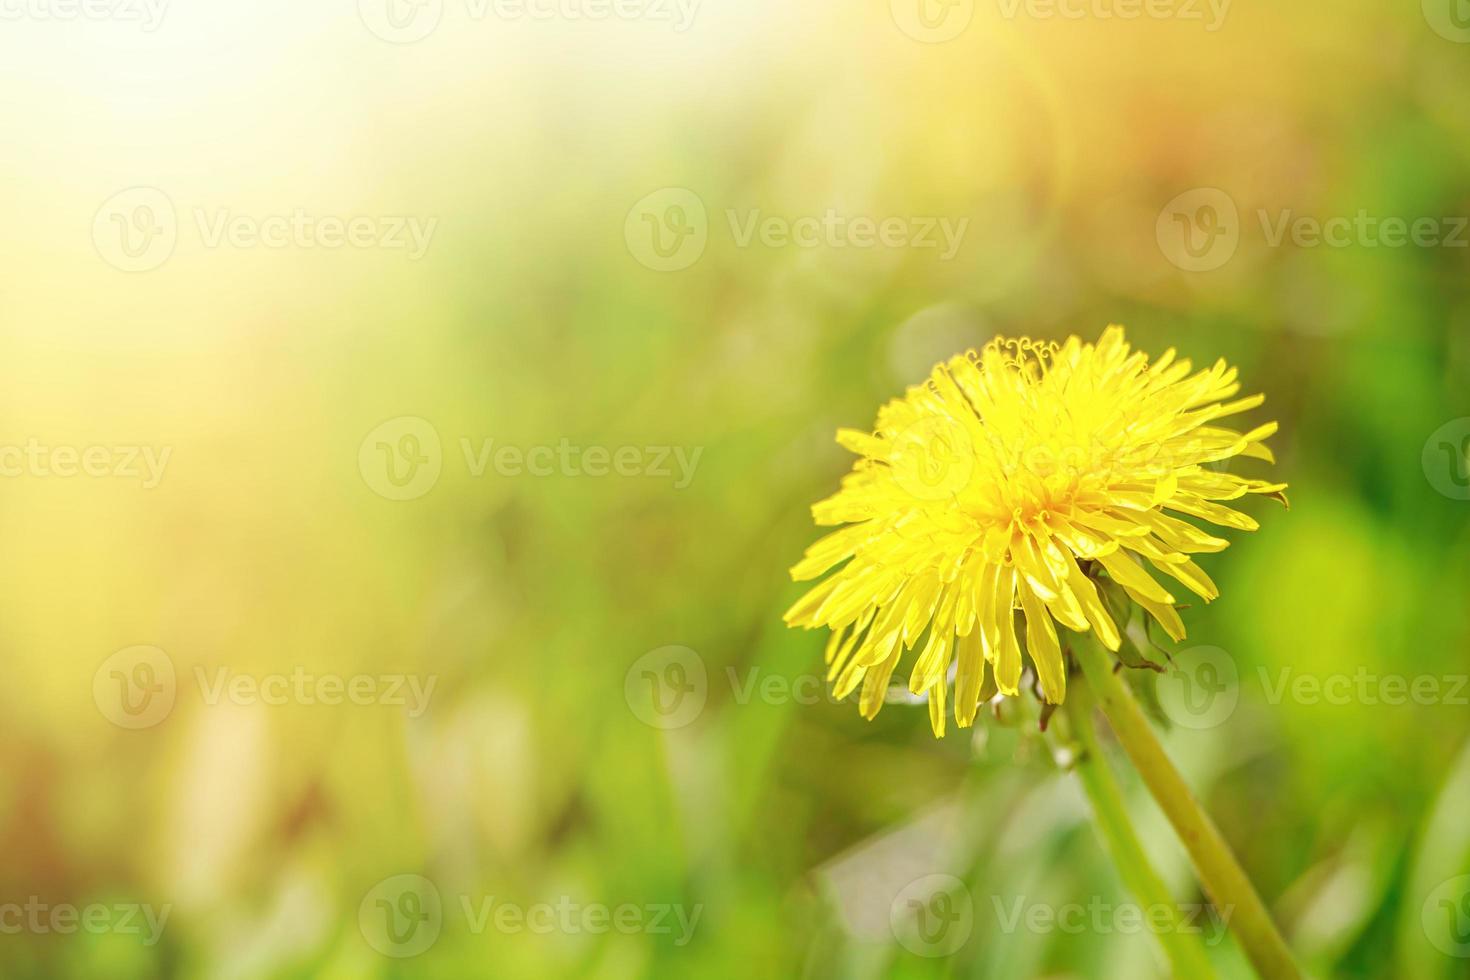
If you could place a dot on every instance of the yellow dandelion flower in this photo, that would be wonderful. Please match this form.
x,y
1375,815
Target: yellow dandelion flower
x,y
992,503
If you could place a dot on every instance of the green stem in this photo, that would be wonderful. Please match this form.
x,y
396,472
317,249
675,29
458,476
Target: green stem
x,y
1219,872
1186,957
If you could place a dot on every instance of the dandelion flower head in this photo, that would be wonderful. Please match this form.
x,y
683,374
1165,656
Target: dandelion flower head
x,y
1013,493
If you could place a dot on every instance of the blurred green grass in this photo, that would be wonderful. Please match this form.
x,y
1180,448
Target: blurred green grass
x,y
532,777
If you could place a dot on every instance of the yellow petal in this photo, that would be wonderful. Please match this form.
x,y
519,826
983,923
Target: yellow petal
x,y
936,709
1008,653
1165,613
969,679
875,687
1045,650
1127,573
1193,577
1092,606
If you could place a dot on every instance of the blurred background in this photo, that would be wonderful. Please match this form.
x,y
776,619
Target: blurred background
x,y
409,413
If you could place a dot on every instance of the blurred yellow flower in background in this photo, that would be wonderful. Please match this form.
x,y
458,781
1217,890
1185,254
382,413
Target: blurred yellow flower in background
x,y
1026,477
